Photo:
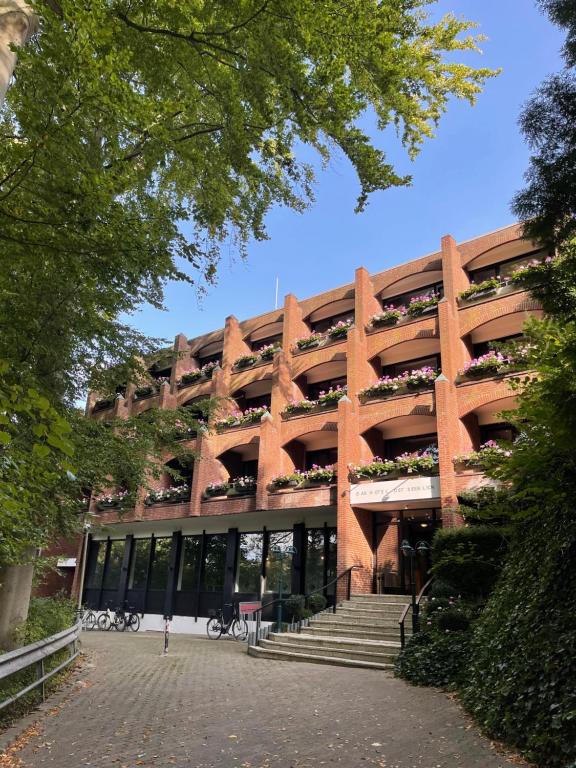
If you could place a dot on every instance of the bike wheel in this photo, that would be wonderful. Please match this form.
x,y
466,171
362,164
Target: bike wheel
x,y
240,629
104,622
120,623
90,621
214,628
134,622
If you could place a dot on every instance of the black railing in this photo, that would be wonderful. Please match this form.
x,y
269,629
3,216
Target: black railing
x,y
259,633
415,606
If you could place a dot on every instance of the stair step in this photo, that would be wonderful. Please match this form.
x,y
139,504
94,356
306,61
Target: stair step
x,y
350,605
354,618
379,599
310,649
266,653
347,632
329,642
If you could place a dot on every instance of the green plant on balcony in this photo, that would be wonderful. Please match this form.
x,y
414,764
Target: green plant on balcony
x,y
331,396
488,452
486,365
340,329
299,406
319,475
104,403
308,342
208,369
384,387
420,378
174,495
533,272
485,288
389,316
112,500
267,352
217,489
421,304
285,481
245,361
423,462
242,486
371,470
242,418
190,378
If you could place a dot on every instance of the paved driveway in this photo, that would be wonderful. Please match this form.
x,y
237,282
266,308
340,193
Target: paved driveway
x,y
208,704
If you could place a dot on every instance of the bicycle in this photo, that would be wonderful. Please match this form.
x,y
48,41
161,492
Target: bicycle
x,y
131,619
108,620
87,617
236,627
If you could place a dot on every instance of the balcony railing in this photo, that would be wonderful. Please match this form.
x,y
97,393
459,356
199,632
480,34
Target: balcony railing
x,y
408,382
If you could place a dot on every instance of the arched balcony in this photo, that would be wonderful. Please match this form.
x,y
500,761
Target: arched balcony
x,y
254,395
265,335
240,461
419,352
318,448
324,317
404,434
173,487
321,378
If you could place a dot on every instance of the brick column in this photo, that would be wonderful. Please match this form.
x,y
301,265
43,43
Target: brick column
x,y
366,303
294,325
282,384
354,526
234,344
166,399
268,458
183,362
207,469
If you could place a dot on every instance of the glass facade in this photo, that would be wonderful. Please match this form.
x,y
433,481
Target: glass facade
x,y
279,562
320,563
250,550
114,565
189,572
139,564
160,564
214,563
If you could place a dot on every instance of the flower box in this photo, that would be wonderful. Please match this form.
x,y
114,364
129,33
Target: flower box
x,y
388,317
142,392
104,404
309,342
242,486
332,396
216,489
190,378
174,495
246,361
419,305
485,288
102,505
420,463
284,481
339,330
242,418
268,352
303,406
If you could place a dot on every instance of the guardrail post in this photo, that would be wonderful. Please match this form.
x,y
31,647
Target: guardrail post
x,y
40,675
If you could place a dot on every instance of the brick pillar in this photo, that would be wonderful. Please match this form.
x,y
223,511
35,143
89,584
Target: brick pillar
x,y
122,408
354,526
366,303
167,399
294,325
453,437
183,362
282,384
359,374
207,469
234,344
90,402
268,458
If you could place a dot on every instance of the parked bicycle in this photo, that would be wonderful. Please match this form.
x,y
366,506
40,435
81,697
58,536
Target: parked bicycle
x,y
87,617
120,619
236,626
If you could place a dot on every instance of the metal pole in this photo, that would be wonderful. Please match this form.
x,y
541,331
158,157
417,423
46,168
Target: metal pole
x,y
413,585
83,569
279,611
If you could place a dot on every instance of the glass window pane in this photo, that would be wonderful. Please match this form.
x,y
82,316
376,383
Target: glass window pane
x,y
314,569
189,563
279,564
139,566
331,571
160,563
507,269
114,566
214,563
250,562
97,555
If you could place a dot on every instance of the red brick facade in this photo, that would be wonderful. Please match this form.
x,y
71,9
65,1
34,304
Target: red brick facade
x,y
453,409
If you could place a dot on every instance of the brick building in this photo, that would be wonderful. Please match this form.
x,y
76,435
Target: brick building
x,y
397,390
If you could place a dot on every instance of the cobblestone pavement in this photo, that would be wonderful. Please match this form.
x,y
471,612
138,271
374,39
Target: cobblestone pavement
x,y
209,704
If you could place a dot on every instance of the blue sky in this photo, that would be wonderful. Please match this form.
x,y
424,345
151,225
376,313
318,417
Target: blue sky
x,y
463,181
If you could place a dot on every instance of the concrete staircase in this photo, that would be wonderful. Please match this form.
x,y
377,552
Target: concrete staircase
x,y
364,632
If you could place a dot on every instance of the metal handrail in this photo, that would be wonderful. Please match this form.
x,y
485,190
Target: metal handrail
x,y
36,653
415,616
258,612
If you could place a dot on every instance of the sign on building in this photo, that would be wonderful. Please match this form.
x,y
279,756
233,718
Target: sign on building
x,y
403,489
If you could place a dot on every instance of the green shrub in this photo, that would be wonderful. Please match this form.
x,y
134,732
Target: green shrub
x,y
294,607
434,658
441,589
469,558
521,685
452,620
316,603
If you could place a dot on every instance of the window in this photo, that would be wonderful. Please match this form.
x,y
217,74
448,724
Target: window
x,y
97,558
403,299
397,369
215,358
322,458
249,468
497,432
160,563
320,566
485,346
189,563
393,448
323,386
114,565
321,326
259,343
257,402
139,564
250,549
504,268
279,562
214,563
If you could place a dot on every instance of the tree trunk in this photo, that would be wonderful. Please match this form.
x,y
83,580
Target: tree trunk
x,y
18,23
15,590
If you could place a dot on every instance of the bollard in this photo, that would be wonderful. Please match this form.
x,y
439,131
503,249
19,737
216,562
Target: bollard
x,y
167,620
